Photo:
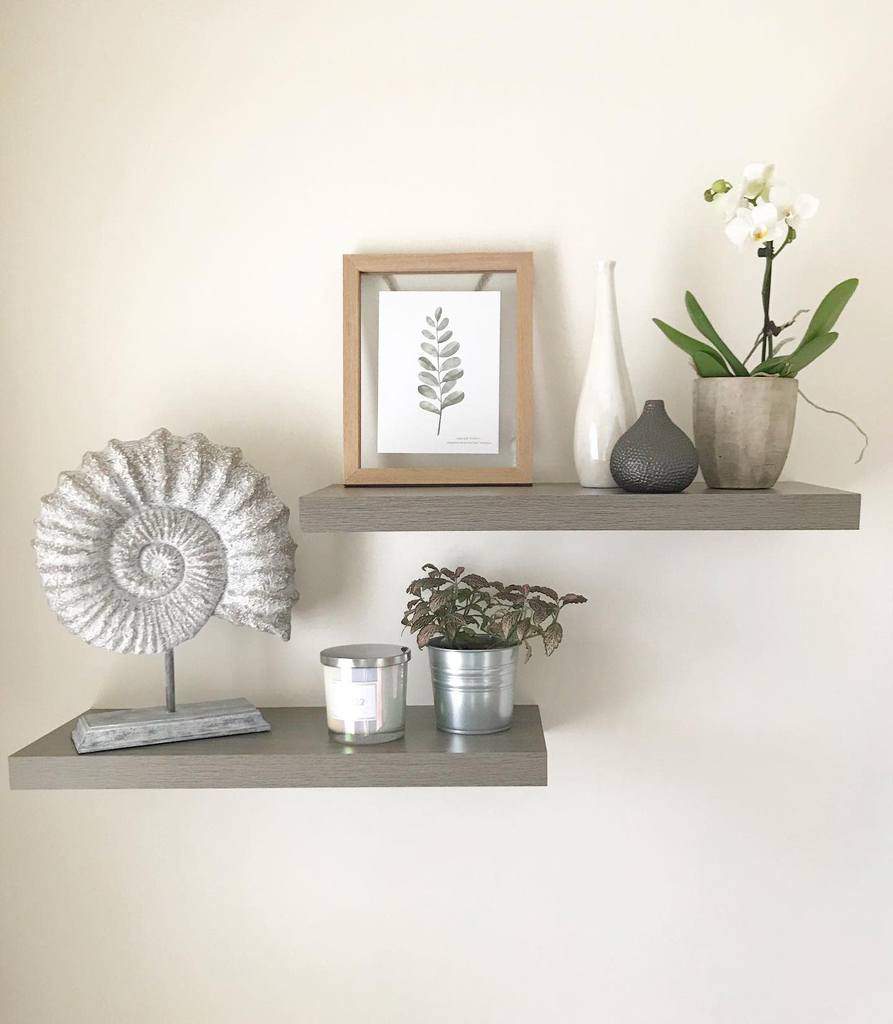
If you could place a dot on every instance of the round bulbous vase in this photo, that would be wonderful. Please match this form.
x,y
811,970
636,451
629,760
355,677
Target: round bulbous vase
x,y
654,456
743,428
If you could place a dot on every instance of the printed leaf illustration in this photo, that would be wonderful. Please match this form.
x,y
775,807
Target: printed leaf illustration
x,y
453,399
439,373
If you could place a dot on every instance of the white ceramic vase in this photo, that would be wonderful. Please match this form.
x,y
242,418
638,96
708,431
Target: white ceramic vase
x,y
606,409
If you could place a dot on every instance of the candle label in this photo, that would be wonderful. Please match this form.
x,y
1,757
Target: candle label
x,y
353,702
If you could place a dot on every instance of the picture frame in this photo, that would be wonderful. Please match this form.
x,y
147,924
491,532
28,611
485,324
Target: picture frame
x,y
508,454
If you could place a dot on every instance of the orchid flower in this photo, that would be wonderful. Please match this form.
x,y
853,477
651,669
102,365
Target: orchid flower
x,y
757,180
756,225
792,208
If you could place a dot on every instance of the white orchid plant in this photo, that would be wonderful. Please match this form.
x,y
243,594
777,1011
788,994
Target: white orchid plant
x,y
762,215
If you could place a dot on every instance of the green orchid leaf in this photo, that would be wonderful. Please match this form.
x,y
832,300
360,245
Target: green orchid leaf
x,y
806,353
829,309
699,319
690,345
773,365
708,364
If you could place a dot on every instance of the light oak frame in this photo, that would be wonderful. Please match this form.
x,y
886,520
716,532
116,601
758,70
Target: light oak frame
x,y
520,263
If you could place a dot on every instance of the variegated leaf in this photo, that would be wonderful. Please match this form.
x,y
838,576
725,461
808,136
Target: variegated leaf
x,y
552,637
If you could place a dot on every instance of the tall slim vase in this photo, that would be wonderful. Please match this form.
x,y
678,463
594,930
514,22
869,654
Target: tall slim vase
x,y
606,409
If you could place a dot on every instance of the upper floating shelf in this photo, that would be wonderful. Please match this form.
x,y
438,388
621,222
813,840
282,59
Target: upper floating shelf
x,y
787,506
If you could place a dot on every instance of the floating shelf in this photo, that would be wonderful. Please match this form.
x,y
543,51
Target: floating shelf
x,y
296,753
787,506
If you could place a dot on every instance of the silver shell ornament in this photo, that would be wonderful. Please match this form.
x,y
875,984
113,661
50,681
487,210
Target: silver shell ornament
x,y
139,547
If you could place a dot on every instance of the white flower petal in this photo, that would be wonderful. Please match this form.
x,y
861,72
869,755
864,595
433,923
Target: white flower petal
x,y
756,172
730,202
805,205
765,216
781,195
779,233
758,180
739,228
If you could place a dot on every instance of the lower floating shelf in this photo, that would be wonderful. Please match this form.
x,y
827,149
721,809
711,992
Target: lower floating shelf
x,y
297,752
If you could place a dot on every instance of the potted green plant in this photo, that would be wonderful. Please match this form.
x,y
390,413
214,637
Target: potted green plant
x,y
744,418
473,629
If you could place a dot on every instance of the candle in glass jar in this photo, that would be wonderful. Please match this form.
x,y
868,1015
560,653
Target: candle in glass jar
x,y
365,692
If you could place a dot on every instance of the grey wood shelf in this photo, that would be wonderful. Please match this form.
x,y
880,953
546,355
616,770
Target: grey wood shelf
x,y
297,752
787,506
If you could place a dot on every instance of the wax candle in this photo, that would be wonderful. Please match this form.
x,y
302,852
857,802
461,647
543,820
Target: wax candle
x,y
365,692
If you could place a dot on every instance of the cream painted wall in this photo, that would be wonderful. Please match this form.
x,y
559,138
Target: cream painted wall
x,y
179,180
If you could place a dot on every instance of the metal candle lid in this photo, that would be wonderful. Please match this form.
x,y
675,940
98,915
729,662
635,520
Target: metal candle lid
x,y
364,656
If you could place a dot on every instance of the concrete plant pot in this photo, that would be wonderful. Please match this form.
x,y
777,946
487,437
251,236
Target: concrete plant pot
x,y
743,428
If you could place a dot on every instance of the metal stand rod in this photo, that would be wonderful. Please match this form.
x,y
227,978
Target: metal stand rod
x,y
169,696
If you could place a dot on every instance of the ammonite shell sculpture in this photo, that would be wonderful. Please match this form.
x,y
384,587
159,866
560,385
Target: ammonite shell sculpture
x,y
148,539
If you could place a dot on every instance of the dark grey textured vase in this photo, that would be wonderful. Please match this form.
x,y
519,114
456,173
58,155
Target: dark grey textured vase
x,y
654,456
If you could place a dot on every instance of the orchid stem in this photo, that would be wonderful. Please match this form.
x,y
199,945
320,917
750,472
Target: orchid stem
x,y
767,290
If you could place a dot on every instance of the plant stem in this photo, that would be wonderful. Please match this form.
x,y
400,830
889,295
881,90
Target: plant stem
x,y
767,290
439,382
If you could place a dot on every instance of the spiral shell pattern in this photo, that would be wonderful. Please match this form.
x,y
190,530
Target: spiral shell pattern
x,y
148,539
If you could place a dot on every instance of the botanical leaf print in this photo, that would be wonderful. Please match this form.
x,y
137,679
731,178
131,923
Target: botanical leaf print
x,y
440,368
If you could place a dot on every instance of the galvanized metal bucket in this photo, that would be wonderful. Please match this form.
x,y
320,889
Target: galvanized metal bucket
x,y
474,689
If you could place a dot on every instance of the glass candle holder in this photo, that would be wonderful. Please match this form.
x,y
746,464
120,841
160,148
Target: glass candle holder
x,y
365,692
